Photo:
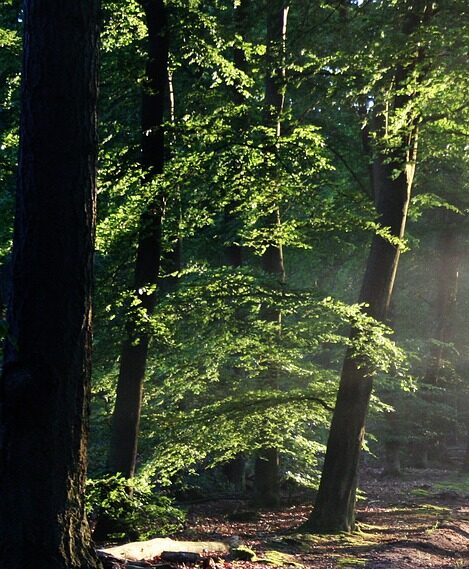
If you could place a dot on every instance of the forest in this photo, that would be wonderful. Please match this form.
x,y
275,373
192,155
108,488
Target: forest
x,y
234,285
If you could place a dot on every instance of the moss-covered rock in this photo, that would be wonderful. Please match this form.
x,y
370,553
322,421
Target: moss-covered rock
x,y
243,553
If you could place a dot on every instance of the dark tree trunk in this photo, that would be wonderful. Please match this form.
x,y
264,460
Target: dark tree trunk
x,y
392,440
126,417
449,261
334,509
235,472
5,286
335,503
392,458
266,476
465,464
235,469
266,473
233,253
449,253
46,375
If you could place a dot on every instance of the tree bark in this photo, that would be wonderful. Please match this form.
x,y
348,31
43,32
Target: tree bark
x,y
266,476
126,417
45,382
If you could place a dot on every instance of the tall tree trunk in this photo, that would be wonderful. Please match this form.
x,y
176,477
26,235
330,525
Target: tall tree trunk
x,y
449,253
126,417
392,441
465,464
335,503
393,173
266,479
235,469
233,254
5,285
45,383
449,261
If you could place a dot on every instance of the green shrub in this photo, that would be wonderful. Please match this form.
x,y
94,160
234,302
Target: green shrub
x,y
121,509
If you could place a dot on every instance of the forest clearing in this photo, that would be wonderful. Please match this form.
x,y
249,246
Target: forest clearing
x,y
234,283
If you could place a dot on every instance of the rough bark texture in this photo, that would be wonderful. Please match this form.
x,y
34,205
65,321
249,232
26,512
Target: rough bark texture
x,y
266,476
46,374
126,417
334,509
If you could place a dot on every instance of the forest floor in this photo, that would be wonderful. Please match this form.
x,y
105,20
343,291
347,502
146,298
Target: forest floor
x,y
418,521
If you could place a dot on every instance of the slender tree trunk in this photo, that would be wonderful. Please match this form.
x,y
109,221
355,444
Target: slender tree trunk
x,y
233,252
334,510
335,503
5,285
266,479
235,469
392,459
449,253
465,464
126,417
45,382
392,439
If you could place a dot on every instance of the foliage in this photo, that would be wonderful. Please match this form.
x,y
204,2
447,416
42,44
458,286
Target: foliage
x,y
220,379
129,509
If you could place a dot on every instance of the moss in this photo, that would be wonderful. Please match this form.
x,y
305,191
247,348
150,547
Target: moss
x,y
365,537
351,562
243,553
278,558
458,484
433,509
421,492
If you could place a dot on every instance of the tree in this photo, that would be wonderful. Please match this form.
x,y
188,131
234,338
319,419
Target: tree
x,y
448,252
392,174
126,417
46,371
267,460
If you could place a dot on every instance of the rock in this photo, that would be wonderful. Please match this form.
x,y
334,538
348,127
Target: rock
x,y
154,548
109,561
234,541
243,553
180,557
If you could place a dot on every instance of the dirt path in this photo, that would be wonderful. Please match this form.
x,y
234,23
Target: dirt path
x,y
418,522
